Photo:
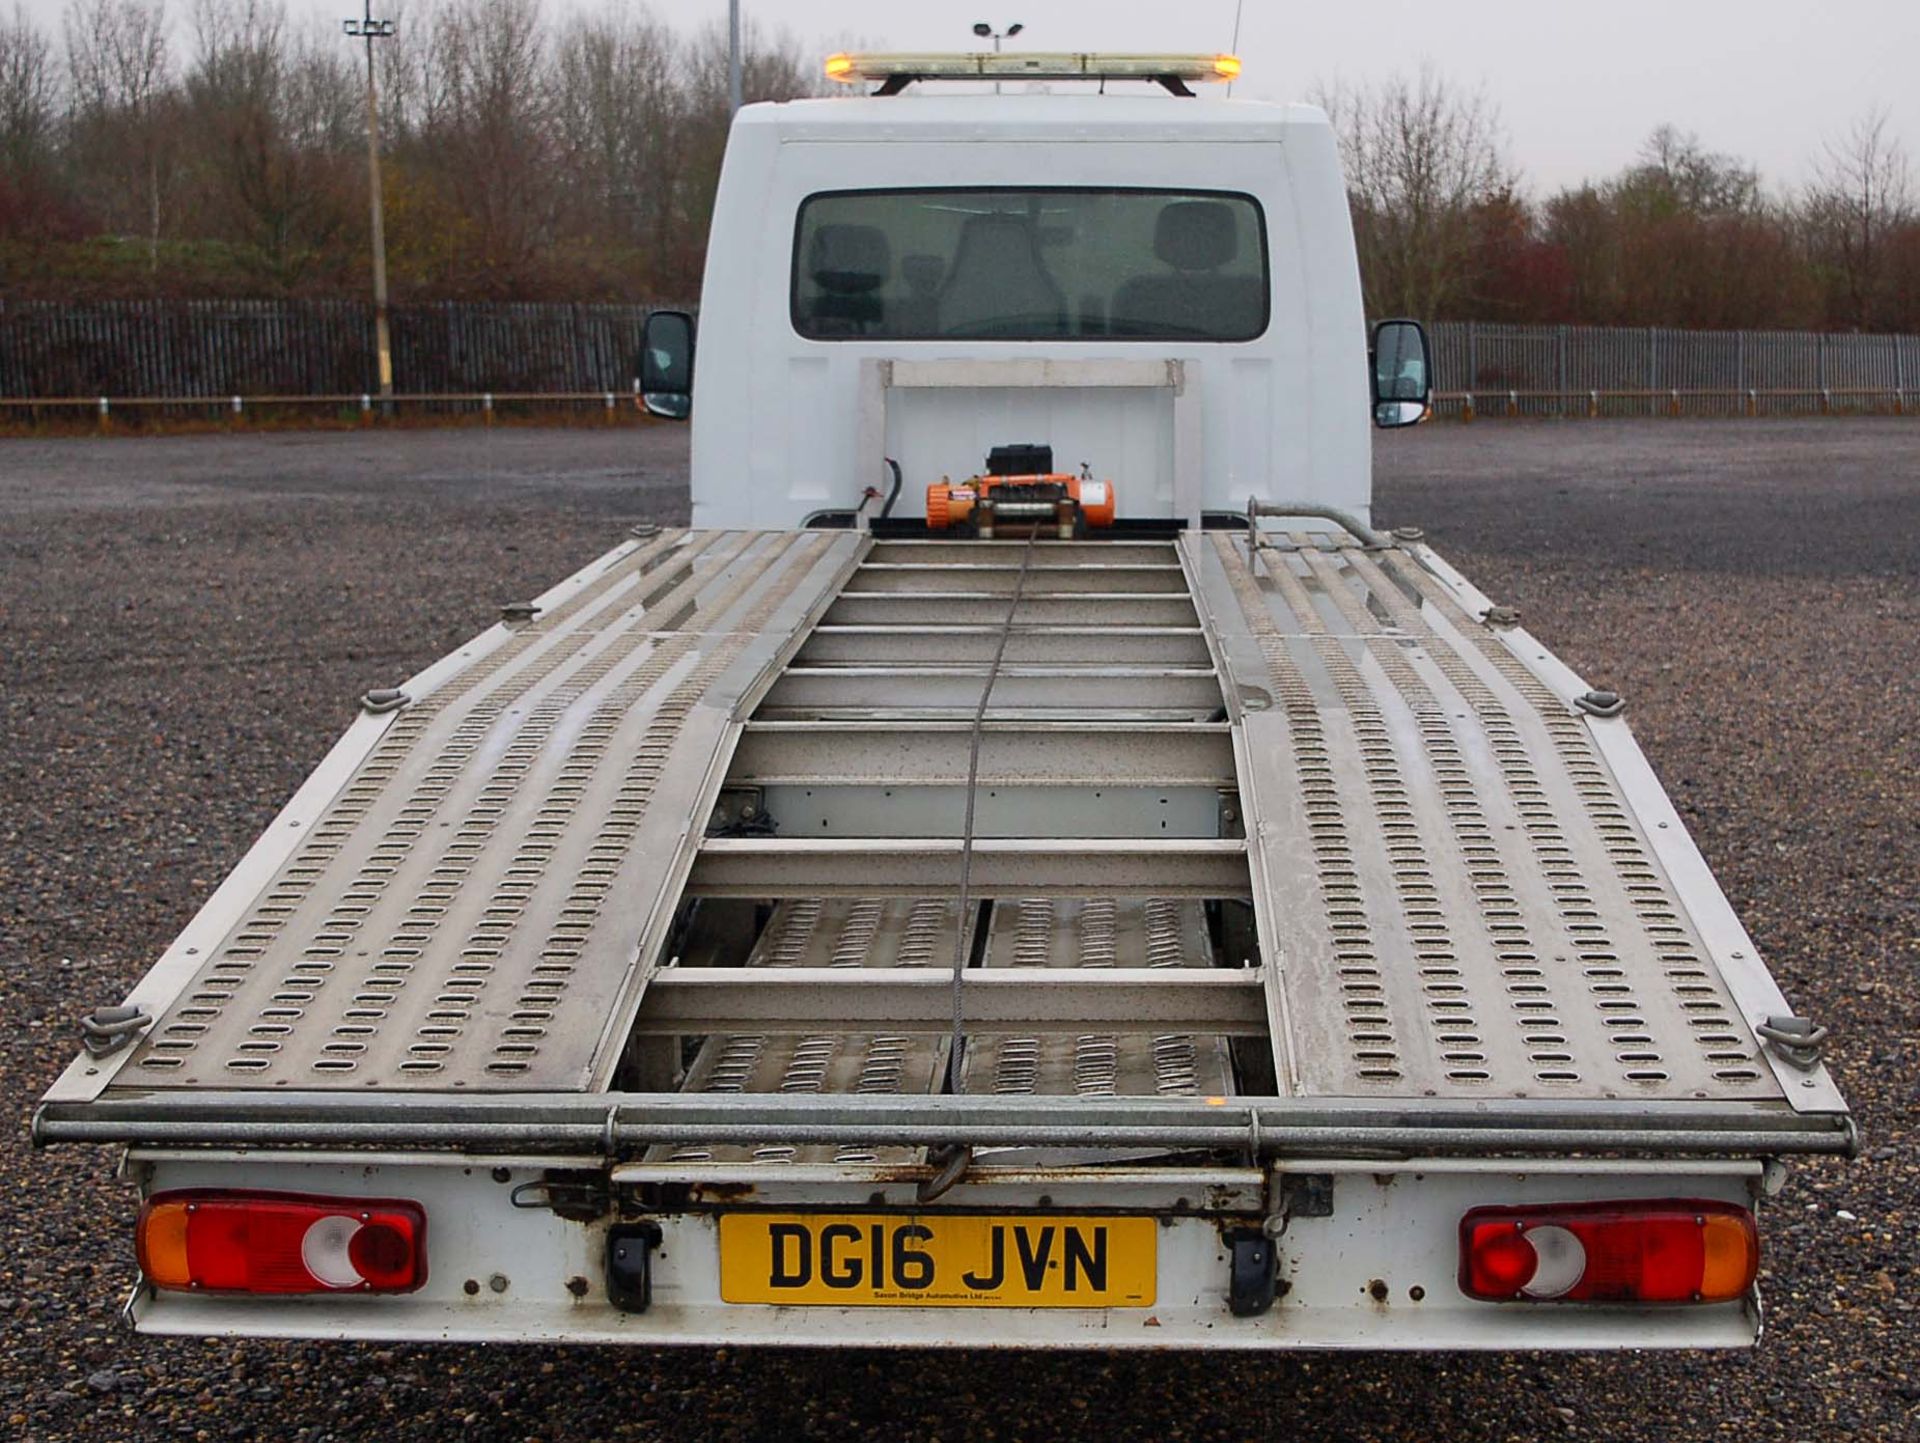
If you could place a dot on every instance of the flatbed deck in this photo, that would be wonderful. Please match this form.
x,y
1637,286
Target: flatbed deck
x,y
1301,828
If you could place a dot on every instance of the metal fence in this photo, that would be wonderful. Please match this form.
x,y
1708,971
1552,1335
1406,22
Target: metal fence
x,y
308,348
162,349
1562,370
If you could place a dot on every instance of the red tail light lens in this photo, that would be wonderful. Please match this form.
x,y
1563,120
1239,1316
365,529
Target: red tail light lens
x,y
239,1242
1668,1251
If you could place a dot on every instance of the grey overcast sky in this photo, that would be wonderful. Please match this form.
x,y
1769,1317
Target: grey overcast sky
x,y
1578,85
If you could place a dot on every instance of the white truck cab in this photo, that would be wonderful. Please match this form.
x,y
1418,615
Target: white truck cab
x,y
1164,290
1102,894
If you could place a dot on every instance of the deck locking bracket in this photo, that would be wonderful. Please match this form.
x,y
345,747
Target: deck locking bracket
x,y
1501,618
741,812
630,1250
383,699
515,613
1230,815
1293,1195
580,1197
1305,1195
1800,1043
1253,1273
105,1030
1601,703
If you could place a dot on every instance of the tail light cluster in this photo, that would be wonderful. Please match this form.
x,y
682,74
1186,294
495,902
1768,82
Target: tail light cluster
x,y
1669,1251
257,1242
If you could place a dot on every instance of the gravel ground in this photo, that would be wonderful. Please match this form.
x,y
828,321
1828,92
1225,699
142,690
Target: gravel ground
x,y
1750,586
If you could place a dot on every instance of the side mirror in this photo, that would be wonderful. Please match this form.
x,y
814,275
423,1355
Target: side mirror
x,y
666,365
1402,374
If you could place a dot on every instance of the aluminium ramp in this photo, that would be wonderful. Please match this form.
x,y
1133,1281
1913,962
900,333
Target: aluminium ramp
x,y
469,908
1459,899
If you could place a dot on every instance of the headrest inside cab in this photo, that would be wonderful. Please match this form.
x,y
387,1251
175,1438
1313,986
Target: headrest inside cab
x,y
1196,235
849,260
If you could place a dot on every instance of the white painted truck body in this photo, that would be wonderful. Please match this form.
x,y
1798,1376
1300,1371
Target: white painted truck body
x,y
1311,903
782,435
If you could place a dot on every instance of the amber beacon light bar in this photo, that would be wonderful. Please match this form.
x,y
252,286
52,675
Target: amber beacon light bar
x,y
900,68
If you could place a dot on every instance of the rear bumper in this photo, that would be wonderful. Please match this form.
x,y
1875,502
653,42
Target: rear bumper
x,y
692,1325
1376,1273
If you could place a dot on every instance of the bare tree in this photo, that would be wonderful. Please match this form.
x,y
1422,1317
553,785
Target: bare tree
x,y
773,66
1676,173
548,149
273,120
1684,236
1421,158
618,114
122,79
29,97
1861,196
398,63
485,112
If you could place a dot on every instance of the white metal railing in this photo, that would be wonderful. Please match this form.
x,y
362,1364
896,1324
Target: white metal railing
x,y
364,407
1561,364
1595,403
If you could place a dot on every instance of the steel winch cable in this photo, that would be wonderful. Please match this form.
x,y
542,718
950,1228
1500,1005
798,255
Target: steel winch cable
x,y
957,1041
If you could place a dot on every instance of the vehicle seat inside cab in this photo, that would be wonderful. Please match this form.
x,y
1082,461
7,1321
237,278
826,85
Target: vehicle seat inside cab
x,y
1194,239
999,283
849,263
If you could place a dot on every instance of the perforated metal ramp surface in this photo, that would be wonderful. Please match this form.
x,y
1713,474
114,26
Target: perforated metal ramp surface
x,y
1100,932
469,909
1459,897
1457,900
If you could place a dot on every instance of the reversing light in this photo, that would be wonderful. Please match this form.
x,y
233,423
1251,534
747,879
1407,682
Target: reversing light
x,y
260,1242
1666,1251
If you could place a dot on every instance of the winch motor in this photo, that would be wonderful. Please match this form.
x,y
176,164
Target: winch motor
x,y
1021,491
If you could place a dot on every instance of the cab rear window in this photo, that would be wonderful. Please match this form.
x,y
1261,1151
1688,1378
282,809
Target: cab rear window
x,y
1030,265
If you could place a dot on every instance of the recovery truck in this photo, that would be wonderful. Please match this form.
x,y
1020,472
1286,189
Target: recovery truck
x,y
1031,866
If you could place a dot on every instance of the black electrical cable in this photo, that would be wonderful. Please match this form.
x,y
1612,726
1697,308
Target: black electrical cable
x,y
886,508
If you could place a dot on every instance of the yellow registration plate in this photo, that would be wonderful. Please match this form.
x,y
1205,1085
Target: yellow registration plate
x,y
937,1260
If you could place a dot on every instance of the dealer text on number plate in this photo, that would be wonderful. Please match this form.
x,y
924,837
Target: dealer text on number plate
x,y
937,1260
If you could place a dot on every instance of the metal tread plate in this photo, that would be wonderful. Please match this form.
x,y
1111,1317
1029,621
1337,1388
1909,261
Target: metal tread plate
x,y
872,932
1456,898
830,932
469,908
1099,932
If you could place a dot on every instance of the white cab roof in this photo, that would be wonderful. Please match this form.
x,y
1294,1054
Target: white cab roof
x,y
965,116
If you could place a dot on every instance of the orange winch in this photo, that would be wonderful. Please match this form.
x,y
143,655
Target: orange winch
x,y
988,503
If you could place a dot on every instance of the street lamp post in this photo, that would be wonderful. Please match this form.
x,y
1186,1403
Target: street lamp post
x,y
368,29
733,57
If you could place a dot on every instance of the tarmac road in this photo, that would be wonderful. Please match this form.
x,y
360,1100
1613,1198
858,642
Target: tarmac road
x,y
184,623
